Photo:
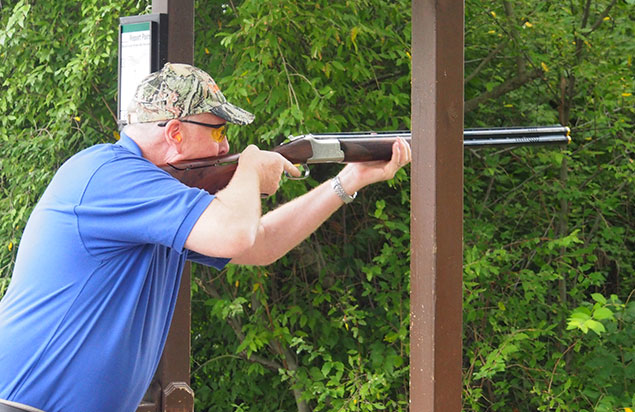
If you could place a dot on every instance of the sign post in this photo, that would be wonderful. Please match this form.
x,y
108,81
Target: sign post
x,y
146,43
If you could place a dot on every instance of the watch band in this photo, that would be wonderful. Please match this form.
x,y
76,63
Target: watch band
x,y
341,193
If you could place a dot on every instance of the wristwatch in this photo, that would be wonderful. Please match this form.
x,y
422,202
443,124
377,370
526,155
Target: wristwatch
x,y
337,187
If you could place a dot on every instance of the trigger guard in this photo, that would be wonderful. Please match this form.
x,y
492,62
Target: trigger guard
x,y
303,167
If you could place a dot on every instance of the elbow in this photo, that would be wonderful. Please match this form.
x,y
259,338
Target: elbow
x,y
254,258
262,252
267,260
242,240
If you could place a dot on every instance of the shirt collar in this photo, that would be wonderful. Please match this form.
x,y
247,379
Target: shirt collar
x,y
126,142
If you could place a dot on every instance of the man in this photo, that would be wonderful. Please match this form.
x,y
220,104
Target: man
x,y
86,315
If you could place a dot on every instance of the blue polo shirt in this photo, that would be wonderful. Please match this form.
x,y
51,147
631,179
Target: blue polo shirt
x,y
87,312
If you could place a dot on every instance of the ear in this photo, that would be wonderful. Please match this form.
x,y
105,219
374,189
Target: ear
x,y
172,134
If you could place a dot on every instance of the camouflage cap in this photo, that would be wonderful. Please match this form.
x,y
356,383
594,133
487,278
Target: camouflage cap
x,y
180,90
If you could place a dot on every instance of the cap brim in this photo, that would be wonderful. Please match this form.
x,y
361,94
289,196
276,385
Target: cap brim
x,y
233,114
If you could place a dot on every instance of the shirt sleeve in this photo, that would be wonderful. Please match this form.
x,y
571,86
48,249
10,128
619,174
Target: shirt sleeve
x,y
215,262
129,201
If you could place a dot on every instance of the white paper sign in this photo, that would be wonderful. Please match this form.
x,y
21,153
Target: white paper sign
x,y
136,63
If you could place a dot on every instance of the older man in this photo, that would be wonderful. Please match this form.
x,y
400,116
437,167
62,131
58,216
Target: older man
x,y
86,315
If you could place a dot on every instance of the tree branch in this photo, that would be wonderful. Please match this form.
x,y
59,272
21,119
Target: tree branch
x,y
485,61
585,14
501,89
520,62
605,13
274,366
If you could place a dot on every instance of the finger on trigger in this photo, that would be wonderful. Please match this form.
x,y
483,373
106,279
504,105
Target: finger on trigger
x,y
292,169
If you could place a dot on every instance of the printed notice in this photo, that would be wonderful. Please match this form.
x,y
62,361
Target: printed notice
x,y
136,61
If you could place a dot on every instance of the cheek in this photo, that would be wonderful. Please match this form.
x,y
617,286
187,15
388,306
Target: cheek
x,y
208,148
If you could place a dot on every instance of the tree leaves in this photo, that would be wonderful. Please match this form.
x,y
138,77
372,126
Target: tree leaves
x,y
548,234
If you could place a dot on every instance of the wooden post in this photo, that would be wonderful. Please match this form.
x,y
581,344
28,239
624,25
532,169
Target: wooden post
x,y
180,28
437,205
170,391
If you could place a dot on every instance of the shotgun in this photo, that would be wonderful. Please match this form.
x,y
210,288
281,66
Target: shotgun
x,y
213,173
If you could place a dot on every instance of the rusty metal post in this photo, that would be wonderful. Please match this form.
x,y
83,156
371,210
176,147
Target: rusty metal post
x,y
170,391
437,206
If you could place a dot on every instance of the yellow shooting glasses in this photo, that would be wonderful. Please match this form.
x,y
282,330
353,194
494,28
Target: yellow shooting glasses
x,y
219,131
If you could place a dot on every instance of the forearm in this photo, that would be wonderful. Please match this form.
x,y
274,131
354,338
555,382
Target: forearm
x,y
285,227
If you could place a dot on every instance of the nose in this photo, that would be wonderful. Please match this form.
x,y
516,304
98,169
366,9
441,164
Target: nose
x,y
223,147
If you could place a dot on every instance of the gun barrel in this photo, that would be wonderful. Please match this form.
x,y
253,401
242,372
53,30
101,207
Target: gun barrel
x,y
511,141
516,131
475,138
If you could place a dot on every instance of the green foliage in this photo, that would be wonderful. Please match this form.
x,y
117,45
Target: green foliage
x,y
332,326
58,81
548,234
548,230
588,318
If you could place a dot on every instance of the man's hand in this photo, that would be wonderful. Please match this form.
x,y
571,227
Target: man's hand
x,y
269,167
358,175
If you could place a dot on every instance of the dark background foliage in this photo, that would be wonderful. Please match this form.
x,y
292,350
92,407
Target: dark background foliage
x,y
548,233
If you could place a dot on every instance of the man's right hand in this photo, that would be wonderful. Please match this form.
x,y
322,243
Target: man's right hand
x,y
269,167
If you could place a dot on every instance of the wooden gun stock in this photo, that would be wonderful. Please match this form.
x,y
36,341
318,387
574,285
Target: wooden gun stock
x,y
213,173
